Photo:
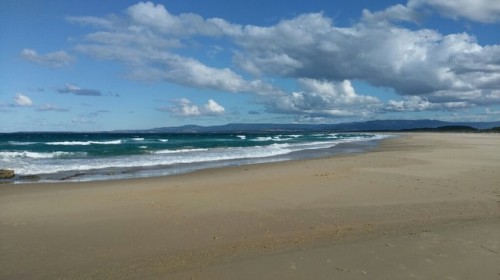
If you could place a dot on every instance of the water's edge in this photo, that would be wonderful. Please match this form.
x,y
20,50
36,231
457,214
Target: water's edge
x,y
167,170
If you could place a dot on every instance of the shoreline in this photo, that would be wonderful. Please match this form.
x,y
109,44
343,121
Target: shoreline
x,y
96,175
270,220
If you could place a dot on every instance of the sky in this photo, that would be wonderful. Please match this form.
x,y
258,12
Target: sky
x,y
68,65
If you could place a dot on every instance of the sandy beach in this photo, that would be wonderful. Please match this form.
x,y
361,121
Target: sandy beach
x,y
420,206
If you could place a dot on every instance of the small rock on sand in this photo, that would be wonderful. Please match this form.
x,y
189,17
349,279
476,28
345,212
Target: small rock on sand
x,y
7,173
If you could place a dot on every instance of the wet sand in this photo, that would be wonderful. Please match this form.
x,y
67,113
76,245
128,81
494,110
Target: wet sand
x,y
421,206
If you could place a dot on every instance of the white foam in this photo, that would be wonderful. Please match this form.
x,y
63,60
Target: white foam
x,y
7,155
36,155
84,143
16,143
262,139
178,151
279,139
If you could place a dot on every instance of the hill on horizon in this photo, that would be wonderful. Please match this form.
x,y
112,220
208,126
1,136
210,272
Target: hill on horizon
x,y
375,125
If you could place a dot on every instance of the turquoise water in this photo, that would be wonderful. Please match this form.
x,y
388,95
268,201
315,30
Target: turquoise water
x,y
93,156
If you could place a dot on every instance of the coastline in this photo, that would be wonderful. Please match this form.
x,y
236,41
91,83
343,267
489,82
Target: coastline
x,y
271,220
78,159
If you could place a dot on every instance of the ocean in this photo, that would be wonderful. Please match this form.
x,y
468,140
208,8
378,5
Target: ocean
x,y
52,157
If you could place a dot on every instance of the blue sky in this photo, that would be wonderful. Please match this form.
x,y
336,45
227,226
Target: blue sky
x,y
70,65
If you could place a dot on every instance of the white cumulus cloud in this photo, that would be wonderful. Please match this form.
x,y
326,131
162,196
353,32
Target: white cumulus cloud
x,y
148,14
418,104
213,108
412,62
145,39
185,108
428,69
324,98
22,100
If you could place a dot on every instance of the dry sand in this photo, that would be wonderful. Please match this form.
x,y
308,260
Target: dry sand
x,y
422,206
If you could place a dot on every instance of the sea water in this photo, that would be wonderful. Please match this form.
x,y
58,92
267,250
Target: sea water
x,y
97,156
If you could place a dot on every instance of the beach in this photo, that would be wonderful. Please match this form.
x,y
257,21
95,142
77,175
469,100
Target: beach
x,y
419,206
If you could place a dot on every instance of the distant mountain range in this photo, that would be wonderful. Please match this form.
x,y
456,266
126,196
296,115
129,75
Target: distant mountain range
x,y
376,125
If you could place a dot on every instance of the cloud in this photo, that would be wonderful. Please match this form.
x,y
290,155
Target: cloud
x,y
53,59
324,98
148,64
412,103
91,21
418,104
51,107
213,108
73,89
157,17
486,11
185,108
412,62
393,13
430,70
145,40
22,100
